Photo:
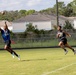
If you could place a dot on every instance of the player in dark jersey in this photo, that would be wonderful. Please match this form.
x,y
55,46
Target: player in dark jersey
x,y
6,37
63,40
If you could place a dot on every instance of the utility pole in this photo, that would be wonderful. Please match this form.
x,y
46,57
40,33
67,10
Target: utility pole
x,y
57,12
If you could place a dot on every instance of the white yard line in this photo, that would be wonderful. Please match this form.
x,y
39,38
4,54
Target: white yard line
x,y
47,73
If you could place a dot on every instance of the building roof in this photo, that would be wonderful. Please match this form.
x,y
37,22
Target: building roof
x,y
38,17
71,18
33,18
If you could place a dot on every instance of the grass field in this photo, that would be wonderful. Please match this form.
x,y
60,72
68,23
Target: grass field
x,y
38,62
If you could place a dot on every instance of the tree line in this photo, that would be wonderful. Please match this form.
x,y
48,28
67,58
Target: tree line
x,y
65,10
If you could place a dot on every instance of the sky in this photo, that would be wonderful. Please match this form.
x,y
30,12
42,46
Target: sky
x,y
28,4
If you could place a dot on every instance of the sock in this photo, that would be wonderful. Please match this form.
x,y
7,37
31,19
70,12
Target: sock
x,y
73,50
15,54
65,50
12,53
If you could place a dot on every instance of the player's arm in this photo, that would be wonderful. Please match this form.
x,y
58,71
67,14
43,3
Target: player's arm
x,y
6,25
67,34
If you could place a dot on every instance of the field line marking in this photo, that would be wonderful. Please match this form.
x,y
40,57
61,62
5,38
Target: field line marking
x,y
58,69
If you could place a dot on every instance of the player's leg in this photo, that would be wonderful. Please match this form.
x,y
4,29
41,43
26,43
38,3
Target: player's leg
x,y
13,51
7,45
9,49
6,48
67,45
62,45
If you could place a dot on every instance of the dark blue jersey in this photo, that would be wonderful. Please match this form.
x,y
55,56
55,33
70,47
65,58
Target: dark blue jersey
x,y
5,35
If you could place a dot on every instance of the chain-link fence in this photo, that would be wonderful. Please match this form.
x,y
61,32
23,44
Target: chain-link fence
x,y
46,41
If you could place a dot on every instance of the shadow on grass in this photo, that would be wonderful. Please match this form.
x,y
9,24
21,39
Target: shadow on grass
x,y
34,60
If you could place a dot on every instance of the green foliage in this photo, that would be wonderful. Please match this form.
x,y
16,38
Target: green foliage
x,y
30,12
10,15
73,4
30,28
13,15
23,12
68,25
66,10
48,11
12,34
33,30
61,6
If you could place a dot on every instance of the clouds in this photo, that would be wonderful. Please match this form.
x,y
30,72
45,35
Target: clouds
x,y
8,4
39,4
28,4
33,2
66,1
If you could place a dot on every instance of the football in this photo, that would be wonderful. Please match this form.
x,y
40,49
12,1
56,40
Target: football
x,y
60,34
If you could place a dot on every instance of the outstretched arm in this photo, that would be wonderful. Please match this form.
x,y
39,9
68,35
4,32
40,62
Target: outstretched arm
x,y
6,25
67,34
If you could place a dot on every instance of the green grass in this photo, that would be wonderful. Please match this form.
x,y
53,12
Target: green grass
x,y
37,62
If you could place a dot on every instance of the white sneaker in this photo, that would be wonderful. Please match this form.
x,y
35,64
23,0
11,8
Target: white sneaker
x,y
19,57
74,52
13,55
66,52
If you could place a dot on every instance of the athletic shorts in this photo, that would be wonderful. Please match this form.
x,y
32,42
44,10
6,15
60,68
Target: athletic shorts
x,y
8,43
64,40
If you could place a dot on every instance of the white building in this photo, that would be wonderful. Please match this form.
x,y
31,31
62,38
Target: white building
x,y
41,21
75,23
38,20
72,20
18,27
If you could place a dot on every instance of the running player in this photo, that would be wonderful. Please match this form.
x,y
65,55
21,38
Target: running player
x,y
6,37
63,40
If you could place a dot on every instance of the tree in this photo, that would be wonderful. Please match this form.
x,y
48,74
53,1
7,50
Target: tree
x,y
61,7
10,15
30,28
23,12
68,25
30,12
68,11
73,4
